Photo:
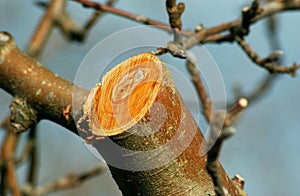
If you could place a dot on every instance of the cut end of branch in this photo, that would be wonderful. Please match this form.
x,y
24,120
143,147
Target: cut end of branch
x,y
238,180
125,95
243,102
5,41
4,37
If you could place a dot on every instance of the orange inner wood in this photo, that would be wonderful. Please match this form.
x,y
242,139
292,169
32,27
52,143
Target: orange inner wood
x,y
127,93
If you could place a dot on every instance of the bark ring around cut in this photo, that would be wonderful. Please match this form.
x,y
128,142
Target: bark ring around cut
x,y
139,108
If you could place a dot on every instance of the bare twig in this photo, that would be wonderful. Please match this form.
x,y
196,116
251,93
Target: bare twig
x,y
267,82
240,26
261,89
33,161
72,31
269,9
125,14
25,153
267,62
175,11
65,182
68,27
205,35
272,30
56,15
96,15
212,165
205,100
234,110
44,28
7,157
221,132
248,14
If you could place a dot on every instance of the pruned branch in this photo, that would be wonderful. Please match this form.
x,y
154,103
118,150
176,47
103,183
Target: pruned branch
x,y
51,96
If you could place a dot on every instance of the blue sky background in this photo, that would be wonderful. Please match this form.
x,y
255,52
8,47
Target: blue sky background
x,y
265,149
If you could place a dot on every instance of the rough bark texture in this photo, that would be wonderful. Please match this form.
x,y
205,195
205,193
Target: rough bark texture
x,y
51,98
49,95
162,155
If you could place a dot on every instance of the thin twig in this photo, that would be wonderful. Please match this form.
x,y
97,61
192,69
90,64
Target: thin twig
x,y
33,155
72,31
65,182
221,132
269,9
175,11
201,91
96,15
25,153
261,89
267,82
205,34
44,28
267,62
56,15
216,137
125,14
7,157
68,27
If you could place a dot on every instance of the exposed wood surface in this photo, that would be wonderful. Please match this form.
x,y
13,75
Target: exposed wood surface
x,y
158,141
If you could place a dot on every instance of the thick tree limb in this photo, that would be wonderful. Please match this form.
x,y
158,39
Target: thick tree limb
x,y
51,96
158,140
45,92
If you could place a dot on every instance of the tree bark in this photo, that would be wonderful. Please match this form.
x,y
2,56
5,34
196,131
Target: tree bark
x,y
175,142
158,141
49,95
